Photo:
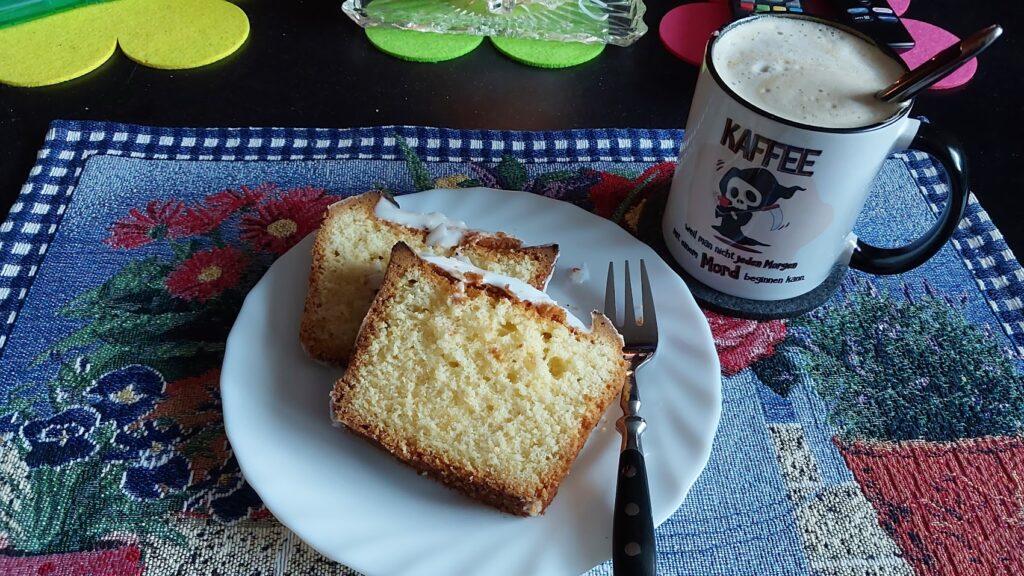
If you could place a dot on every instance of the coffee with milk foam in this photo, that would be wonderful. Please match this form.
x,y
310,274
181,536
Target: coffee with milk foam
x,y
806,72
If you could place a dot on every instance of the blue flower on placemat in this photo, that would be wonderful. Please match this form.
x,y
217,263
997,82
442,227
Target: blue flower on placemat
x,y
151,439
126,394
62,438
156,478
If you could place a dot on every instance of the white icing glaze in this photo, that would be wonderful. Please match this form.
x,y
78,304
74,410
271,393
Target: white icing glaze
x,y
444,231
444,236
512,286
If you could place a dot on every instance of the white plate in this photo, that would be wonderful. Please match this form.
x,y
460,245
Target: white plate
x,y
357,505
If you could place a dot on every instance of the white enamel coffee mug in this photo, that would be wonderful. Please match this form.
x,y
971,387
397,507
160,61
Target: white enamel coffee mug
x,y
763,207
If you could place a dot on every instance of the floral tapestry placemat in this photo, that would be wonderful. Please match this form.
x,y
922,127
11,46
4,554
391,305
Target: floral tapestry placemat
x,y
878,435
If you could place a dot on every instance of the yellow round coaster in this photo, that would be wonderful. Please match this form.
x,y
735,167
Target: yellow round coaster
x,y
169,34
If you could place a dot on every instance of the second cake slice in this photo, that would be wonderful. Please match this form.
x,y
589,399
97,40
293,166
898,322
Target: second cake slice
x,y
351,252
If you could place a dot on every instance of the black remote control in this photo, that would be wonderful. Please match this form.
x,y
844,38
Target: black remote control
x,y
876,19
741,8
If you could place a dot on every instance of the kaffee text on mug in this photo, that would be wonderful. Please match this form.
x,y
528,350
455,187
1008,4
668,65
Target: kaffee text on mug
x,y
788,158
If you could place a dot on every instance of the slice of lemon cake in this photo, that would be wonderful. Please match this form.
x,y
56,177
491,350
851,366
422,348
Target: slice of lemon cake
x,y
351,252
478,380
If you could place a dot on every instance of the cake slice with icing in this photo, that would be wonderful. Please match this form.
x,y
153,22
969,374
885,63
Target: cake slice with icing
x,y
352,249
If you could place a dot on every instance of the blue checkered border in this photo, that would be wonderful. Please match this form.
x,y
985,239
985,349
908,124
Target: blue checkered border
x,y
996,270
37,213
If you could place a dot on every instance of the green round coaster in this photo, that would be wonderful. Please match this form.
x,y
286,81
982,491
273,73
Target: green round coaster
x,y
421,46
546,54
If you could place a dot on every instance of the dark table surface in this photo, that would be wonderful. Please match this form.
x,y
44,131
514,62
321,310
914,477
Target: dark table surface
x,y
306,64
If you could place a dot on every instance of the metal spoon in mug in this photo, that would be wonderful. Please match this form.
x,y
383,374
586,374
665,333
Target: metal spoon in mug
x,y
939,66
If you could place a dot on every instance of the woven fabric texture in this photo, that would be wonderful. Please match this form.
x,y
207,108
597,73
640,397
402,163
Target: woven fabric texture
x,y
877,435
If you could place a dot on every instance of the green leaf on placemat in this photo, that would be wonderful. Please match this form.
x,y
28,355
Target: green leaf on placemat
x,y
117,328
511,173
630,198
139,286
911,368
72,527
420,177
778,371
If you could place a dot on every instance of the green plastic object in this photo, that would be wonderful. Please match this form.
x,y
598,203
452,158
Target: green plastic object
x,y
545,54
422,46
17,11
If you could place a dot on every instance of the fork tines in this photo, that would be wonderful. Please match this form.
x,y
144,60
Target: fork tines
x,y
634,332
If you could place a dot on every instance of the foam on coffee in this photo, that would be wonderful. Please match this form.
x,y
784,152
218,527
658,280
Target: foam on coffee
x,y
806,71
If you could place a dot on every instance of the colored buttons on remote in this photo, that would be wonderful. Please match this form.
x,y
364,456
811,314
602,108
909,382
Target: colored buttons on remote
x,y
876,19
741,8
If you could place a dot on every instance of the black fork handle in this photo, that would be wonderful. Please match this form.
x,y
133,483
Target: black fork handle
x,y
633,533
634,551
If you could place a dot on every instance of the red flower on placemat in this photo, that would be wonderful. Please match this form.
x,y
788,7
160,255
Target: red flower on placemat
x,y
279,224
206,274
612,190
216,208
160,220
740,343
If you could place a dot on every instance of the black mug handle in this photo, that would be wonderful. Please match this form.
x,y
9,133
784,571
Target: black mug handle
x,y
949,153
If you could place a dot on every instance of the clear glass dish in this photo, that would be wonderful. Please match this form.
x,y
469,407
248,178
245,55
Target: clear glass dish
x,y
618,22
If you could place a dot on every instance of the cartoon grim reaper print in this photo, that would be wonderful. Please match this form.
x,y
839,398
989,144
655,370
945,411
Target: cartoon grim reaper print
x,y
743,193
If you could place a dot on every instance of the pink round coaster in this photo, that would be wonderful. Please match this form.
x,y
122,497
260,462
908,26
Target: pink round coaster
x,y
685,30
929,41
899,6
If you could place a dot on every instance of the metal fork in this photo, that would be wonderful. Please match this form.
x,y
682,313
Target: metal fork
x,y
633,548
